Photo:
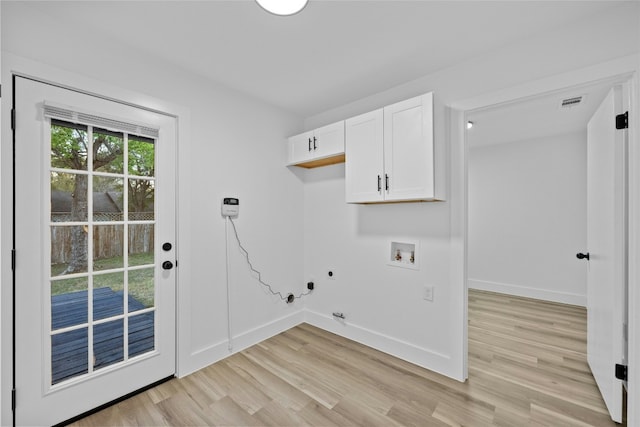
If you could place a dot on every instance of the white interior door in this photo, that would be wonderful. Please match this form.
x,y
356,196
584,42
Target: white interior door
x,y
95,216
606,240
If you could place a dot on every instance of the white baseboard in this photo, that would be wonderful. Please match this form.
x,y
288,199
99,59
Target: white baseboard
x,y
524,291
206,356
420,356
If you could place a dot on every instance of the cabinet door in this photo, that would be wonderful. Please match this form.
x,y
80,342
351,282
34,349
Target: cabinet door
x,y
408,149
300,148
364,175
328,140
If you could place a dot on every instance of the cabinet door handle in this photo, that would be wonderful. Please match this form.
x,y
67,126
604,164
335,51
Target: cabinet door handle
x,y
309,143
379,183
386,182
314,143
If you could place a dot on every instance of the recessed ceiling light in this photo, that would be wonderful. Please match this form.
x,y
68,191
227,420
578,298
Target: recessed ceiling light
x,y
469,124
282,7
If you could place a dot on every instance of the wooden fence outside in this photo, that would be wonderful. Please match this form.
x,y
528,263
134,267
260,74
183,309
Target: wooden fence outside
x,y
107,241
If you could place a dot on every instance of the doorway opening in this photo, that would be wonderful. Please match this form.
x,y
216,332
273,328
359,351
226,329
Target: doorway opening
x,y
526,201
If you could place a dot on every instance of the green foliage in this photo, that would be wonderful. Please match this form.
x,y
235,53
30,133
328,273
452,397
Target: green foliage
x,y
68,148
141,158
141,163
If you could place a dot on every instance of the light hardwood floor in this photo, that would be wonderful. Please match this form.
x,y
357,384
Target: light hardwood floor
x,y
527,367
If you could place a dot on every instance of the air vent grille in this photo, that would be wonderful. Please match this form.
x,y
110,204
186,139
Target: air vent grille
x,y
571,102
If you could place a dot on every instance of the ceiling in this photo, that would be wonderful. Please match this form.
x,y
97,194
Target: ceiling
x,y
332,53
536,117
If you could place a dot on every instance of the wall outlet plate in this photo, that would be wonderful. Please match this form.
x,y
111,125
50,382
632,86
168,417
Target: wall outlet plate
x,y
427,293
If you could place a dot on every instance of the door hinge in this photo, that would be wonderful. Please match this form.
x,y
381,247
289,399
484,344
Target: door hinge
x,y
13,119
622,120
13,399
621,372
13,259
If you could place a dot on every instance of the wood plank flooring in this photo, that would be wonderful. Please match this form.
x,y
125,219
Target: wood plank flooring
x,y
527,367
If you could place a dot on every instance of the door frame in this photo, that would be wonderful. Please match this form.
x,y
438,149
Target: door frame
x,y
18,66
621,70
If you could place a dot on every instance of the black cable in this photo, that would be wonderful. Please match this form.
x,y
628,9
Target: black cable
x,y
266,285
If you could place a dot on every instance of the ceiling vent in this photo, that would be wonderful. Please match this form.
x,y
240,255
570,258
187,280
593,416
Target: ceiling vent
x,y
572,102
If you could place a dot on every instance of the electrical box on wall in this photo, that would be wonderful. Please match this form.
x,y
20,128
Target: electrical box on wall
x,y
404,254
230,206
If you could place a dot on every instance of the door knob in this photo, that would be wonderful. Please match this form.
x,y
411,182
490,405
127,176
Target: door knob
x,y
580,255
167,265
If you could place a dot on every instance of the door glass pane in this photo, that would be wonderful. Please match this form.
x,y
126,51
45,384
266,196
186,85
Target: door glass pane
x,y
108,151
108,343
108,295
141,244
68,197
90,176
107,199
68,302
68,249
141,199
141,289
69,355
68,145
108,241
141,333
141,156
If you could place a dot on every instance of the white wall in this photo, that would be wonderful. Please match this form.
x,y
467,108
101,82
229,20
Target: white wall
x,y
233,147
383,305
527,218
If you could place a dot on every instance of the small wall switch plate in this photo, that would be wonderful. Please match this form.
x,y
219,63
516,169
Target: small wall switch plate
x,y
427,293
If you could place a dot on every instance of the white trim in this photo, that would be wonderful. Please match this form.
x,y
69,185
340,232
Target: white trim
x,y
528,292
458,272
633,355
420,356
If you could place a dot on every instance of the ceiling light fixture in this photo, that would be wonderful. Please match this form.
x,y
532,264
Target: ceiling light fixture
x,y
282,7
469,124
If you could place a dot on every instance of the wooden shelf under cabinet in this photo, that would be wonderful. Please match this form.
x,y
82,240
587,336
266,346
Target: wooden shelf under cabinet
x,y
333,160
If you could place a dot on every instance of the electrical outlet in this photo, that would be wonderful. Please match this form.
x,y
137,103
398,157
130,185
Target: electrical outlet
x,y
428,293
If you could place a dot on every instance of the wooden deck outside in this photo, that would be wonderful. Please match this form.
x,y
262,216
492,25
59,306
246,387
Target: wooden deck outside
x,y
70,350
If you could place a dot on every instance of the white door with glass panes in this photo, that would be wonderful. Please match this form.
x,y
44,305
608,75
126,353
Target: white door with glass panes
x,y
95,251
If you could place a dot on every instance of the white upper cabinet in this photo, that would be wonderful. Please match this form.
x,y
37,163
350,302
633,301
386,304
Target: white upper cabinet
x,y
364,169
408,149
320,147
390,153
